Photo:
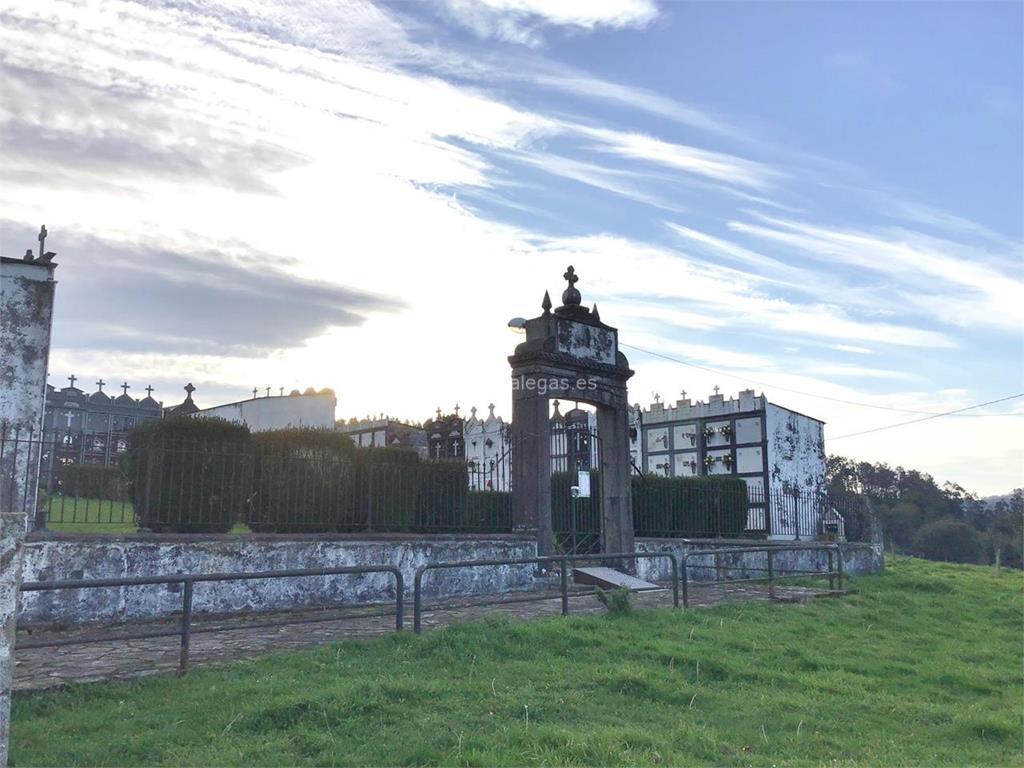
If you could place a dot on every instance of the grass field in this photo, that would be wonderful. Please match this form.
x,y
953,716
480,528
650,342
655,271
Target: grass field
x,y
69,513
920,666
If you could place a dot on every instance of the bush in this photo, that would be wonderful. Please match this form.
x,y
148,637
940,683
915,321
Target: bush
x,y
92,481
949,539
444,495
388,491
681,507
616,600
303,480
488,511
188,474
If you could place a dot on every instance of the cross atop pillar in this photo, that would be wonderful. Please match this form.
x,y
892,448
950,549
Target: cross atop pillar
x,y
456,409
657,397
438,413
72,378
100,384
716,389
683,394
125,387
255,391
42,241
149,390
268,391
189,389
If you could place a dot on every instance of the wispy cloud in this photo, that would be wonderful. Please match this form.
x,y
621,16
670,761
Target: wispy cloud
x,y
524,21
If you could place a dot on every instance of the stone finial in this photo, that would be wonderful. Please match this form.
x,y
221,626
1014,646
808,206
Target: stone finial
x,y
189,389
716,389
472,412
456,409
268,391
41,237
556,403
439,413
28,255
546,304
490,408
594,312
571,296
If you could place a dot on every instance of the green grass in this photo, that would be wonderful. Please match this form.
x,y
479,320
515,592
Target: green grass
x,y
82,515
69,513
921,666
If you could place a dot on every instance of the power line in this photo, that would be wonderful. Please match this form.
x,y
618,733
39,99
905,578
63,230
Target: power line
x,y
775,386
927,418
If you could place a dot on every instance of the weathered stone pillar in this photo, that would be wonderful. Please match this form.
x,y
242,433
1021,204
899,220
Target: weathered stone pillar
x,y
26,315
616,490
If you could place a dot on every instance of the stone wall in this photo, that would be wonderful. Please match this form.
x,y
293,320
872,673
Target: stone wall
x,y
857,559
85,556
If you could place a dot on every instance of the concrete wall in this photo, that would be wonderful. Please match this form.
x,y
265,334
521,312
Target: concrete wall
x,y
77,556
857,559
796,451
265,413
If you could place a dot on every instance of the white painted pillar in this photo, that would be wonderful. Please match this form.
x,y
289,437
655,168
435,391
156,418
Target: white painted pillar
x,y
26,315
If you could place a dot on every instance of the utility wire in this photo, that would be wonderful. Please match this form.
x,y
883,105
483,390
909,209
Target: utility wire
x,y
775,386
927,418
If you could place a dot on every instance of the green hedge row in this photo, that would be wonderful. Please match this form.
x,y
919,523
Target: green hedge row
x,y
682,507
92,481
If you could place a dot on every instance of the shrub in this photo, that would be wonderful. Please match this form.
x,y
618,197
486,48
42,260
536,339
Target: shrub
x,y
388,491
444,495
92,481
680,507
488,511
616,601
303,480
949,539
188,474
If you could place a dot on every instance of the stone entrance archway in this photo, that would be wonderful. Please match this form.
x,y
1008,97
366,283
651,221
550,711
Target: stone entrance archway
x,y
571,355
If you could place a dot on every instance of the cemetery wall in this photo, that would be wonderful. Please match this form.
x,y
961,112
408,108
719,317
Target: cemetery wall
x,y
857,559
93,556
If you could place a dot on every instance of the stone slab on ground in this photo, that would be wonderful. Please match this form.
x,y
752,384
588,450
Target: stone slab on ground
x,y
609,578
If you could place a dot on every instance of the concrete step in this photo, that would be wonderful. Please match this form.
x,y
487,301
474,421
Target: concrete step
x,y
609,578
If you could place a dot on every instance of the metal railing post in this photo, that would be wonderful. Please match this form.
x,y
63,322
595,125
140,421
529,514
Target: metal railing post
x,y
399,600
186,627
839,556
565,586
417,599
771,574
685,576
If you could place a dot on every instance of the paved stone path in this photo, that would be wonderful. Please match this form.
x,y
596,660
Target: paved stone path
x,y
39,668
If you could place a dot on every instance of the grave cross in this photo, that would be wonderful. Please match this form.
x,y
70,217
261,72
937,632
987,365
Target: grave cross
x,y
254,393
456,409
125,387
439,413
42,241
189,389
657,397
72,378
149,390
683,394
571,277
716,389
268,391
100,384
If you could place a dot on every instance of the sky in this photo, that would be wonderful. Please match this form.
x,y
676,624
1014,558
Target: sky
x,y
822,202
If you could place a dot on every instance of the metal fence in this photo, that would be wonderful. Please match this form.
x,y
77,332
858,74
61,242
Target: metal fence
x,y
187,486
187,583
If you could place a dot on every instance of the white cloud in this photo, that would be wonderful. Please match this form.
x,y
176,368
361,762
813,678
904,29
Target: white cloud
x,y
523,21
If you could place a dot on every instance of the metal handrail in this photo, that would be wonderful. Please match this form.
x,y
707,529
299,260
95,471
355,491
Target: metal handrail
x,y
834,572
563,560
187,581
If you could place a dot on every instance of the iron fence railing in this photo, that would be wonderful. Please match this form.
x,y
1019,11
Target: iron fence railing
x,y
187,582
740,573
78,482
562,561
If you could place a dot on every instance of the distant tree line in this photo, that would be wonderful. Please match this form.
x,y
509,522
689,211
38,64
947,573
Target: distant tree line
x,y
940,523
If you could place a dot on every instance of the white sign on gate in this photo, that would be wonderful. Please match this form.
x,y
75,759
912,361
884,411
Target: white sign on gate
x,y
583,483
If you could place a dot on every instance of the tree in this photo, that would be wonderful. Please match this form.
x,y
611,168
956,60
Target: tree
x,y
949,539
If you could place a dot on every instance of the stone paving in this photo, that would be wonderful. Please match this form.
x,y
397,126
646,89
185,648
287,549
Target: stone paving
x,y
242,637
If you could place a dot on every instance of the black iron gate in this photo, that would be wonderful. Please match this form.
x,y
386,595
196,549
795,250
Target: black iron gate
x,y
576,504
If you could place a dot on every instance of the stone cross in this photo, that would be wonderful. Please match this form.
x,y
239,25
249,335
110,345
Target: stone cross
x,y
68,416
456,409
281,391
490,408
571,277
683,394
100,384
125,387
657,397
716,389
149,390
254,393
439,413
72,378
189,389
268,391
42,241
472,411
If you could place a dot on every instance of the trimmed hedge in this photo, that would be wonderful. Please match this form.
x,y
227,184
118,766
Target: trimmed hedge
x,y
303,481
488,511
444,495
92,481
681,507
188,475
389,486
